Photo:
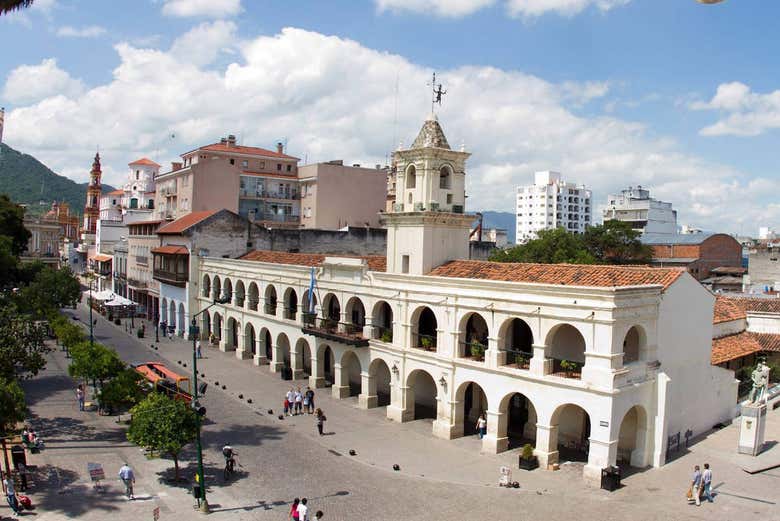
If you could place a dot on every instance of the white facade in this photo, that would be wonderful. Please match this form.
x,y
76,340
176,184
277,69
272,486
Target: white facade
x,y
646,215
551,203
409,338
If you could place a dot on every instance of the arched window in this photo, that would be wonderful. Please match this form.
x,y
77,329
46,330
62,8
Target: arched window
x,y
411,177
445,178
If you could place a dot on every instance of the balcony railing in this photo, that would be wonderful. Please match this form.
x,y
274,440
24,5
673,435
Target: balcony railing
x,y
142,259
383,334
426,342
348,333
473,350
277,218
176,278
518,359
269,195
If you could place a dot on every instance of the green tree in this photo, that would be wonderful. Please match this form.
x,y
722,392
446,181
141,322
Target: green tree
x,y
95,363
163,424
615,242
12,224
22,344
6,6
12,406
49,291
552,246
68,333
124,390
9,264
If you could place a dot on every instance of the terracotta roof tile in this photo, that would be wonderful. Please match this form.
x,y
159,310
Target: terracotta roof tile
x,y
727,309
171,250
240,149
375,262
768,341
563,274
759,305
144,161
184,223
116,192
735,346
101,257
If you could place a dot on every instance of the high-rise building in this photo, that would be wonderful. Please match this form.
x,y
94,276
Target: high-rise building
x,y
646,215
551,203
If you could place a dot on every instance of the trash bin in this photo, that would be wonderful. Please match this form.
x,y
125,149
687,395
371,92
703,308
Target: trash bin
x,y
196,491
286,373
18,456
610,478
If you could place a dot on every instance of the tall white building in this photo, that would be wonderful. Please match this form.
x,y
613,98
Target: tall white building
x,y
551,203
646,215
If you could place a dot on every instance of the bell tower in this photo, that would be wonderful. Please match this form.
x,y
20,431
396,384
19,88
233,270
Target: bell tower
x,y
92,208
427,225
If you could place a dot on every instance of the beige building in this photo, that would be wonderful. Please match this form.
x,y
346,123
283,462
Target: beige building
x,y
334,196
44,243
141,286
226,175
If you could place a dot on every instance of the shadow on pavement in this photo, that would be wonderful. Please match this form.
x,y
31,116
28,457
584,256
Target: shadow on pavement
x,y
41,387
59,490
61,429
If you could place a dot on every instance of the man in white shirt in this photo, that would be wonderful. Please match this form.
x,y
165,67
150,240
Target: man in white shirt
x,y
10,494
128,478
303,510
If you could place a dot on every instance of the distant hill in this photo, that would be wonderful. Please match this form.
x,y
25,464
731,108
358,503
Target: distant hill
x,y
21,177
504,220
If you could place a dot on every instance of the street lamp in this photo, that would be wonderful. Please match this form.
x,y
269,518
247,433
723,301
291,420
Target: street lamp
x,y
90,302
204,506
156,325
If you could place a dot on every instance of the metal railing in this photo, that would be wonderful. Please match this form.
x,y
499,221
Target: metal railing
x,y
426,342
383,334
518,359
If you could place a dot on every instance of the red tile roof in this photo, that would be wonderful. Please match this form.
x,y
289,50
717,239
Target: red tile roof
x,y
563,274
768,341
144,161
240,149
758,305
184,223
102,258
375,262
116,192
171,250
727,309
732,347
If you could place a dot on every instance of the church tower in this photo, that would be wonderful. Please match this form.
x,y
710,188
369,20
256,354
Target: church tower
x,y
427,225
92,208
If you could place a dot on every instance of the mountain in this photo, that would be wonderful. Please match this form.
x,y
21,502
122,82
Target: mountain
x,y
22,176
504,220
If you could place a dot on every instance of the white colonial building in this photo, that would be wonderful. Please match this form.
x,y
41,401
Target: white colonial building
x,y
551,203
601,363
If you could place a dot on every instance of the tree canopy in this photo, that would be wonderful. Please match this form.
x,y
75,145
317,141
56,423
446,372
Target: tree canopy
x,y
50,290
614,242
12,406
94,362
22,345
12,224
163,424
124,390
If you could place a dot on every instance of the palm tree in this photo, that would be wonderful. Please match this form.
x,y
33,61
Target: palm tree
x,y
6,6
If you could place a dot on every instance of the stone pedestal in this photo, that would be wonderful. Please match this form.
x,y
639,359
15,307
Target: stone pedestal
x,y
366,401
243,355
340,391
751,429
260,360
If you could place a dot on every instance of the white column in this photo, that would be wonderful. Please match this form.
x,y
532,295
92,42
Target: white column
x,y
340,388
496,439
601,454
538,365
276,364
368,398
546,445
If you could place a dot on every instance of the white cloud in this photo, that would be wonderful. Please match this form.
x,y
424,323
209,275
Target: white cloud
x,y
90,31
334,98
515,8
745,113
202,44
208,8
30,83
25,16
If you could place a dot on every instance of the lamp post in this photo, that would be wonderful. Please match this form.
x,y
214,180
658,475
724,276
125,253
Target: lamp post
x,y
204,506
156,325
90,301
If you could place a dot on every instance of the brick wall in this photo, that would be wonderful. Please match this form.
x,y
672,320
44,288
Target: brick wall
x,y
715,251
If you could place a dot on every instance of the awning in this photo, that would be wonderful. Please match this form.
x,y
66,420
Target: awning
x,y
171,250
102,258
100,295
119,300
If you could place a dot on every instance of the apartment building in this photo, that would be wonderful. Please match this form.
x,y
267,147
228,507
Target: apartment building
x,y
646,215
551,203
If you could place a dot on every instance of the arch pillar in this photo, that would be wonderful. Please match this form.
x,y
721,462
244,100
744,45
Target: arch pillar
x,y
601,453
259,357
296,362
276,364
399,409
338,389
442,425
538,363
242,353
546,445
494,442
367,399
317,377
368,327
494,356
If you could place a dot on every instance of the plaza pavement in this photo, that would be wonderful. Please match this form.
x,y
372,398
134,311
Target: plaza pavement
x,y
282,459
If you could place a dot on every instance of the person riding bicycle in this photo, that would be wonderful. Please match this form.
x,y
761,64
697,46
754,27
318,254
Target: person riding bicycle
x,y
229,454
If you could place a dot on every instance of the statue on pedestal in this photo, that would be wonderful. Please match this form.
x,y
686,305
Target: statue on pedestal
x,y
760,378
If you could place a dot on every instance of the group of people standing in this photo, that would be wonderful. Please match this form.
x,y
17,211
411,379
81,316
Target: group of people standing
x,y
298,402
299,511
701,485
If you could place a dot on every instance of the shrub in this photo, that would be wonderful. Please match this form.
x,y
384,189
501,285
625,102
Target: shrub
x,y
528,451
477,349
387,336
568,366
425,342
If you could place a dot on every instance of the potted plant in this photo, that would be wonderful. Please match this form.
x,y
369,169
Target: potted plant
x,y
527,459
568,367
522,362
477,350
387,336
140,332
426,343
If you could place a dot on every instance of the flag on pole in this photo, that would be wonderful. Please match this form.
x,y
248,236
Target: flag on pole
x,y
311,292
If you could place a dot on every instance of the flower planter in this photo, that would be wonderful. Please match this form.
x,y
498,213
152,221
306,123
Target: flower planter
x,y
529,464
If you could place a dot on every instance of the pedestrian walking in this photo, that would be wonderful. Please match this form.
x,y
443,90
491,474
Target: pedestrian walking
x,y
171,330
320,417
22,468
286,405
10,494
303,510
80,396
694,493
706,478
310,396
481,426
294,509
291,400
298,402
128,478
197,349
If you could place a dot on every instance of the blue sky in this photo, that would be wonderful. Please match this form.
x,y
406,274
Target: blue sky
x,y
671,94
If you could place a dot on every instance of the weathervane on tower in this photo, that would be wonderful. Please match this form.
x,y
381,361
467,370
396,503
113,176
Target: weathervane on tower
x,y
437,93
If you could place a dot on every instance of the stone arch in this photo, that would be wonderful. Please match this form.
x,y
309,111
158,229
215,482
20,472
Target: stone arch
x,y
519,426
172,314
565,342
270,300
180,320
250,341
206,285
253,296
380,381
445,177
216,288
356,315
290,304
516,338
424,328
217,326
331,308
266,343
634,439
473,332
471,403
382,321
309,307
240,294
227,290
233,328
421,394
634,344
411,177
350,372
303,356
164,311
571,427
283,348
326,361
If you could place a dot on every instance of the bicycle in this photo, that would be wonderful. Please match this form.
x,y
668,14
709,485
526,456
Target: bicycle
x,y
230,466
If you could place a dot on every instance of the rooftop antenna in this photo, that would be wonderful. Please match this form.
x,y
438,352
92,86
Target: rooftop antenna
x,y
437,92
41,202
395,114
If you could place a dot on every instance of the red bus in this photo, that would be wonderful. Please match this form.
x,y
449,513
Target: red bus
x,y
166,381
